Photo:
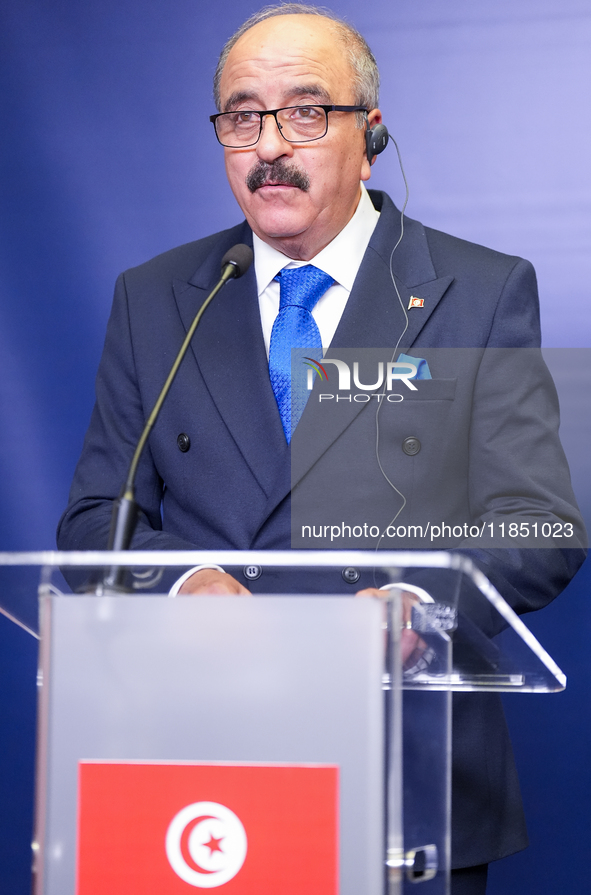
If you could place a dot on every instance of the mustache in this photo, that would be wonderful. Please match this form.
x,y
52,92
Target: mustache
x,y
277,172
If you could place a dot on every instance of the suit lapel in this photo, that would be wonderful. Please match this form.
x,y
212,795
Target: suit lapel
x,y
230,353
413,271
373,318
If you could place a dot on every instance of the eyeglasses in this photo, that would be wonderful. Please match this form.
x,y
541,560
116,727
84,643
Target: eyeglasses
x,y
296,124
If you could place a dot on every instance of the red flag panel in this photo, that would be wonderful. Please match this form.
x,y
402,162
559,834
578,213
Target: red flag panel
x,y
145,829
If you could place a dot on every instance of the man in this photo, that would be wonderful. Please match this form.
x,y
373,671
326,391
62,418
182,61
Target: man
x,y
217,472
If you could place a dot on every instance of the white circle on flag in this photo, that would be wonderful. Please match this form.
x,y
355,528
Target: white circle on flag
x,y
206,844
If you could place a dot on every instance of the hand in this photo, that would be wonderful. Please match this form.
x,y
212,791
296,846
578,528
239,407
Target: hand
x,y
210,581
412,647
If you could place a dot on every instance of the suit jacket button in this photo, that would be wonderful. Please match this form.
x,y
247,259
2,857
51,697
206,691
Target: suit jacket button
x,y
183,442
252,572
351,575
411,446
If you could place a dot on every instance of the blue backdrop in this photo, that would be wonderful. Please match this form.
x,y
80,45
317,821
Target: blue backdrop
x,y
108,158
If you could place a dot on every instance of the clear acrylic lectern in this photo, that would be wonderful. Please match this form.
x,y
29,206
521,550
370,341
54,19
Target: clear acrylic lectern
x,y
333,710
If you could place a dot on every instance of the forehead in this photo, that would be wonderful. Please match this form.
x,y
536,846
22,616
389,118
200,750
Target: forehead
x,y
282,53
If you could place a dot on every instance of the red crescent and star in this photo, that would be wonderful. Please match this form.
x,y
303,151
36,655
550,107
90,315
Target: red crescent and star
x,y
213,845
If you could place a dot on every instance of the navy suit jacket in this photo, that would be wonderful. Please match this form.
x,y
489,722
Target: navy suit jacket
x,y
232,488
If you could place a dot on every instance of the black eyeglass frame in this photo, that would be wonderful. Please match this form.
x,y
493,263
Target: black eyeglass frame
x,y
262,112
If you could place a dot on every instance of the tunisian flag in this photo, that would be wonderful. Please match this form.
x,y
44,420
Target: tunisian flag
x,y
175,828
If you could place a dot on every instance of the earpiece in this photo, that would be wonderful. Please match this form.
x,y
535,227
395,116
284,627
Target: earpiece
x,y
376,140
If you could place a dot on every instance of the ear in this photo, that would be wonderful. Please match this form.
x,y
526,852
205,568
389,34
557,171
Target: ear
x,y
373,118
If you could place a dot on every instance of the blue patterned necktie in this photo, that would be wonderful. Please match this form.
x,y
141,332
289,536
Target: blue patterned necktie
x,y
294,327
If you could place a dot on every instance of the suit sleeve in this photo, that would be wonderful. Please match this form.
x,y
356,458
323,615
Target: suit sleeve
x,y
518,470
115,427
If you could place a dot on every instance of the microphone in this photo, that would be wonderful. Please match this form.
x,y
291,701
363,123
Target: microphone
x,y
240,257
235,263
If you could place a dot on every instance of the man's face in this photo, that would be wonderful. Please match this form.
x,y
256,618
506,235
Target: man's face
x,y
296,197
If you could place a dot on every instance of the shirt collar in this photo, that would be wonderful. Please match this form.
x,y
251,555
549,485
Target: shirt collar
x,y
340,259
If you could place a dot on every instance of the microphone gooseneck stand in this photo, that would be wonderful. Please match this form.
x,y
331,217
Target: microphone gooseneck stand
x,y
125,509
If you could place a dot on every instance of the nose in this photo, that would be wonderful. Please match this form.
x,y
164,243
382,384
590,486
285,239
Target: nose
x,y
271,144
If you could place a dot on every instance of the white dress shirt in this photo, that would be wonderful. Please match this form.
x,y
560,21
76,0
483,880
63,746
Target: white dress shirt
x,y
340,259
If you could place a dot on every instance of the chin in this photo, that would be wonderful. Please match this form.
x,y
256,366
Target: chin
x,y
278,226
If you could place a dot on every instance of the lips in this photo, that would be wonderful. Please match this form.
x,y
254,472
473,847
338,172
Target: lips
x,y
273,185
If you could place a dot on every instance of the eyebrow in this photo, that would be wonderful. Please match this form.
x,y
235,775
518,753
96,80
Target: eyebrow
x,y
314,90
240,96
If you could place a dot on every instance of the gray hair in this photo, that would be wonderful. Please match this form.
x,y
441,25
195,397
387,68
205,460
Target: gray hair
x,y
366,78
